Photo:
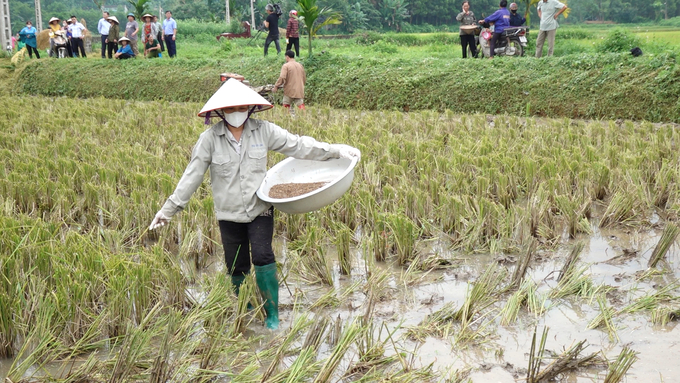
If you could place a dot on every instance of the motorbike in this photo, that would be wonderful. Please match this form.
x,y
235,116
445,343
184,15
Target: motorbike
x,y
59,48
513,42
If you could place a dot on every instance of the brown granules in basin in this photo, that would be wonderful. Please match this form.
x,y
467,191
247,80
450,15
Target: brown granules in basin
x,y
282,191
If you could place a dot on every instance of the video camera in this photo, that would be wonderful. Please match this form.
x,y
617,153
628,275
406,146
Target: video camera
x,y
275,8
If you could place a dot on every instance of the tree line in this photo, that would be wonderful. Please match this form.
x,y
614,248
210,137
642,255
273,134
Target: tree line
x,y
379,15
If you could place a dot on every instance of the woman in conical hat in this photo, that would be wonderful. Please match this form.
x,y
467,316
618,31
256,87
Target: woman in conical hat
x,y
235,150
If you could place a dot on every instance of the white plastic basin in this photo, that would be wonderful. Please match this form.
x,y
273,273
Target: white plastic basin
x,y
338,172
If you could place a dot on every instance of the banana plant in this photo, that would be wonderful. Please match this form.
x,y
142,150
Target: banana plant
x,y
309,13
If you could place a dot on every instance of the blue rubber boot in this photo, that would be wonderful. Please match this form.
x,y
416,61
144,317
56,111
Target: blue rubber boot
x,y
269,289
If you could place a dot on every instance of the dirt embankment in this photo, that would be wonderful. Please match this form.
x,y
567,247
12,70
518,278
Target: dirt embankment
x,y
610,86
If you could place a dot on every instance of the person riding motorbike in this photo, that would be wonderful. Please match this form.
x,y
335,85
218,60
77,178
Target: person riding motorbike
x,y
501,20
516,20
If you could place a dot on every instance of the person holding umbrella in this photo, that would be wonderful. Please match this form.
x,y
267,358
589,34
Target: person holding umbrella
x,y
235,150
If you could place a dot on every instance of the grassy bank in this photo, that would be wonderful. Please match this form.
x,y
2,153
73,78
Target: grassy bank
x,y
577,86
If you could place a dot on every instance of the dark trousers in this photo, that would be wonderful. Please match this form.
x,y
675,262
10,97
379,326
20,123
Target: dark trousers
x,y
269,40
170,43
104,37
112,48
296,42
240,240
125,56
468,40
30,50
159,37
492,43
77,43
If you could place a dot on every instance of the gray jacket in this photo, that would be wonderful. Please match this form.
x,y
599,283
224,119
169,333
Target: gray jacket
x,y
235,178
464,19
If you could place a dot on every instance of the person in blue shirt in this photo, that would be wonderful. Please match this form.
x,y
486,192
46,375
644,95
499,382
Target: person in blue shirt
x,y
27,35
501,20
516,20
125,51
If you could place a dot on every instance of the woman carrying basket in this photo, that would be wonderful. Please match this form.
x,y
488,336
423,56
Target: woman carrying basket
x,y
467,30
235,150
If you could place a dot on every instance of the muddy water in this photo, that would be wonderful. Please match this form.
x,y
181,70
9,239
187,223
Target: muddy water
x,y
615,257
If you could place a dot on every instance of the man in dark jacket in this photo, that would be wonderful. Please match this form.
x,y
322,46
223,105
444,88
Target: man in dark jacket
x,y
501,20
516,20
272,24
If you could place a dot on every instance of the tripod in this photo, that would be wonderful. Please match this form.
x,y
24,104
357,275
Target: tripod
x,y
259,32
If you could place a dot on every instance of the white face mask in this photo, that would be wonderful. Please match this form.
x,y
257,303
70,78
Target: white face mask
x,y
236,119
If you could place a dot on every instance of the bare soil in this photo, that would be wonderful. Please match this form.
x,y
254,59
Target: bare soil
x,y
289,190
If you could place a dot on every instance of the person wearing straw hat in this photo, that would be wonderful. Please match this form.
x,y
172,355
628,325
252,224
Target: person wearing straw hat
x,y
125,51
103,27
235,150
131,30
112,38
149,28
55,29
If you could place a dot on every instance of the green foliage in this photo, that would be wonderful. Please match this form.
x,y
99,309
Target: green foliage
x,y
384,47
618,40
140,7
226,46
579,86
308,14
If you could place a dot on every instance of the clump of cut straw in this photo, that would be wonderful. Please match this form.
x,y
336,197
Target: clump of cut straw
x,y
668,237
619,368
568,360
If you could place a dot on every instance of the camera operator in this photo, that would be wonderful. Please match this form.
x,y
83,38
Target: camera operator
x,y
272,23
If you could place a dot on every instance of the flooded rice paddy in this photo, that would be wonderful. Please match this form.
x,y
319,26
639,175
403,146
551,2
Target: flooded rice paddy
x,y
460,238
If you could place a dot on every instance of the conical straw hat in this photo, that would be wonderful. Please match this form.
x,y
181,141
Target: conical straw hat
x,y
113,18
147,15
234,93
54,19
124,39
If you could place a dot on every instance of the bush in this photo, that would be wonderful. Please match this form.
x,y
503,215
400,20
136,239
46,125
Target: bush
x,y
368,37
385,47
618,40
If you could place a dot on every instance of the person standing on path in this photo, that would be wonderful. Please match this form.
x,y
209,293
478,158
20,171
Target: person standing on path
x,y
235,150
103,28
292,33
272,24
548,11
131,32
27,35
159,35
293,80
112,38
467,36
77,29
170,33
501,20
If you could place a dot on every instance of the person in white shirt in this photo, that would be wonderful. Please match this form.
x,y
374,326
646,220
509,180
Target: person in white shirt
x,y
77,29
103,28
